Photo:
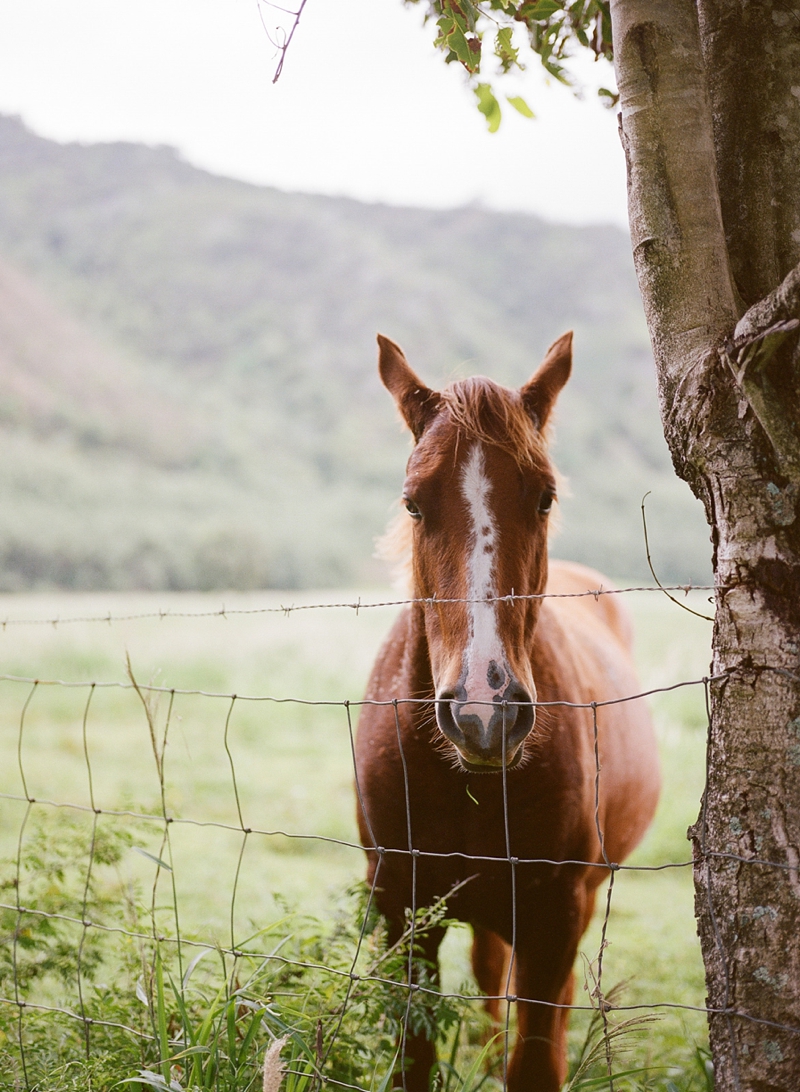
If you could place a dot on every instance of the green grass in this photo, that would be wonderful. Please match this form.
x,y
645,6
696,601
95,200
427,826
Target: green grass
x,y
293,774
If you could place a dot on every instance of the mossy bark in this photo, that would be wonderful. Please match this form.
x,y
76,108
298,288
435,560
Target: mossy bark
x,y
710,122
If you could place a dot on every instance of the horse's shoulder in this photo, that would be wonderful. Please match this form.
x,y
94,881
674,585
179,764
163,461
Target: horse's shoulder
x,y
572,581
585,639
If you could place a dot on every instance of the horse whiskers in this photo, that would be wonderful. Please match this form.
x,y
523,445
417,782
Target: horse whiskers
x,y
430,722
541,733
448,751
545,718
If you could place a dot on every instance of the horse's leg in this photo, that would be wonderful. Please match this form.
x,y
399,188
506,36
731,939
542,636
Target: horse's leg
x,y
490,955
416,1052
539,1060
563,1014
543,967
561,1024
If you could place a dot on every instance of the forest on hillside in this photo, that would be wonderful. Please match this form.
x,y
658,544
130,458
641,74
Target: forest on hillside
x,y
189,396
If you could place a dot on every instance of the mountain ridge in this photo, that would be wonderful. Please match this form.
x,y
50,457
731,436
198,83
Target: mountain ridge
x,y
232,332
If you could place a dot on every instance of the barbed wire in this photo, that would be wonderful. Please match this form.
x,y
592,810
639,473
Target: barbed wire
x,y
166,819
347,703
355,605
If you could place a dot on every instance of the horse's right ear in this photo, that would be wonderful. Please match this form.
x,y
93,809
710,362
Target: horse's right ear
x,y
539,393
417,403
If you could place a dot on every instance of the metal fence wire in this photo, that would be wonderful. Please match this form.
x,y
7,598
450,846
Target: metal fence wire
x,y
161,928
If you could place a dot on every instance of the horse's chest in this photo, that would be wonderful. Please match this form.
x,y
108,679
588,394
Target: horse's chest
x,y
484,853
478,824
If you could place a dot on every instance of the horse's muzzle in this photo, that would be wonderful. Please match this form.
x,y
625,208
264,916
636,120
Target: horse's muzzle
x,y
487,736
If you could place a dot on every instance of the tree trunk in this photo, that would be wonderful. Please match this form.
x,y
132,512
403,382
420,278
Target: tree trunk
x,y
710,122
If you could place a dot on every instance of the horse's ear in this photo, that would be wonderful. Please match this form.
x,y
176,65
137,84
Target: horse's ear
x,y
540,392
417,403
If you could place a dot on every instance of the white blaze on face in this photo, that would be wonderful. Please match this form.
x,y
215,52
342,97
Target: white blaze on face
x,y
484,654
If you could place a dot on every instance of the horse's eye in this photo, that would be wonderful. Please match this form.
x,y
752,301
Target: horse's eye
x,y
546,501
412,508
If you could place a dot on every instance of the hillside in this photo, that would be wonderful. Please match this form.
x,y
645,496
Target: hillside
x,y
188,370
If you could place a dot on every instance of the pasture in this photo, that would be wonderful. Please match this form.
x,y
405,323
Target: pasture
x,y
282,768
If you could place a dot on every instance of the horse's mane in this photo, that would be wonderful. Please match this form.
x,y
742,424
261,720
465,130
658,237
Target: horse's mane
x,y
394,547
487,412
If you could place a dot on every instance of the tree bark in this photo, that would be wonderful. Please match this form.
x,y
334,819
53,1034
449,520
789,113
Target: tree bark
x,y
752,56
714,200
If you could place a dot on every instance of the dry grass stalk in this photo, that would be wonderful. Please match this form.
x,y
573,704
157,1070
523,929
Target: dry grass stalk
x,y
273,1066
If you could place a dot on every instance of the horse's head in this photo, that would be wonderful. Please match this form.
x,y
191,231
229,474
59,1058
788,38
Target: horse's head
x,y
479,488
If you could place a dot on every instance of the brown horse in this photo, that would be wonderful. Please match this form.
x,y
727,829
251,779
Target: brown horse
x,y
512,678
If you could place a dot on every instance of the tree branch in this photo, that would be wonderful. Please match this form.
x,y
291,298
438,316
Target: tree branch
x,y
757,337
776,309
281,46
679,242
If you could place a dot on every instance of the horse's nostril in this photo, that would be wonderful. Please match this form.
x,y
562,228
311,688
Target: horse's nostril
x,y
515,699
517,713
488,730
447,716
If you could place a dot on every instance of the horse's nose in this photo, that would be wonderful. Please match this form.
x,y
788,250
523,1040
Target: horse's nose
x,y
486,733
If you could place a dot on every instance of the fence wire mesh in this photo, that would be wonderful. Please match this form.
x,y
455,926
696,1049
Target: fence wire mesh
x,y
43,796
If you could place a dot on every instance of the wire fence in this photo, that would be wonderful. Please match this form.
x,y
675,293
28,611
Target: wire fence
x,y
29,991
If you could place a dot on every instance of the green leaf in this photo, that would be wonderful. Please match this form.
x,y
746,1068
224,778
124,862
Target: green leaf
x,y
216,1006
464,49
521,106
151,857
596,1082
505,49
384,1083
608,98
488,106
556,70
255,1024
446,27
543,9
470,13
606,31
153,1080
190,969
470,1079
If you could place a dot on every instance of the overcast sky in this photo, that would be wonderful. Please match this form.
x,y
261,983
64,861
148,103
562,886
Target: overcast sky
x,y
365,106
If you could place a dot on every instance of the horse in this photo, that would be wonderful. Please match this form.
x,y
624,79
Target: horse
x,y
489,762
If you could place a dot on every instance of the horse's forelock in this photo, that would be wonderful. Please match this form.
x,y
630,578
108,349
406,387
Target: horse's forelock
x,y
496,415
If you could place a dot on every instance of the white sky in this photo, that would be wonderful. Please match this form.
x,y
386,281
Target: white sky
x,y
365,106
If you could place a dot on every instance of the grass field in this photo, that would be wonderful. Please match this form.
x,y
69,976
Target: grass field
x,y
288,768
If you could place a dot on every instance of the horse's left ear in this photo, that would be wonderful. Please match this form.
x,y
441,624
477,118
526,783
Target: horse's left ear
x,y
539,393
417,403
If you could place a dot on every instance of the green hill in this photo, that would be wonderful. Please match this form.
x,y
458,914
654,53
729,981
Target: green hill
x,y
189,395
